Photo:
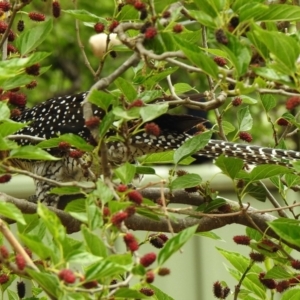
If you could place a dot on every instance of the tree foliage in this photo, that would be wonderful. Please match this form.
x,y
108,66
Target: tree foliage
x,y
236,60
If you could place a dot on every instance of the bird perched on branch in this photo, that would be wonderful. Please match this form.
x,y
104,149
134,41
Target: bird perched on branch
x,y
61,115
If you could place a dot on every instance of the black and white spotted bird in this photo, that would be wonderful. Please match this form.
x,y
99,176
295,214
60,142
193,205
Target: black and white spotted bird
x,y
62,115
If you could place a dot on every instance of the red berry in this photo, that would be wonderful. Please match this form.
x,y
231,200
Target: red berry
x,y
150,276
135,197
34,16
15,112
122,188
242,240
295,264
106,211
11,36
5,178
33,70
136,103
257,257
282,122
17,99
268,283
245,136
90,284
152,128
130,210
220,61
163,237
113,25
131,242
282,286
237,101
5,6
148,259
76,154
150,33
67,276
4,252
3,26
139,5
92,122
31,85
221,37
118,218
163,271
292,102
218,290
20,25
177,28
99,27
11,49
166,14
20,261
21,288
4,278
55,9
147,291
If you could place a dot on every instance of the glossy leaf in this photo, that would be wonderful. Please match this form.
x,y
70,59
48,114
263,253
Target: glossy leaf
x,y
175,243
230,166
10,211
186,181
198,57
30,39
191,146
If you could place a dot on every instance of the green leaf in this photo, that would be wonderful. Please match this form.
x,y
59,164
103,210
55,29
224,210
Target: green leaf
x,y
164,158
31,39
144,170
186,181
191,146
152,111
77,256
10,211
256,191
277,43
237,53
287,229
66,190
198,57
227,127
125,173
49,282
210,235
245,120
159,294
293,294
248,100
4,111
126,88
127,293
278,272
181,88
36,245
148,96
268,102
281,12
106,123
31,152
212,205
230,166
175,243
148,214
85,16
8,127
292,180
267,171
94,242
76,141
101,99
52,223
